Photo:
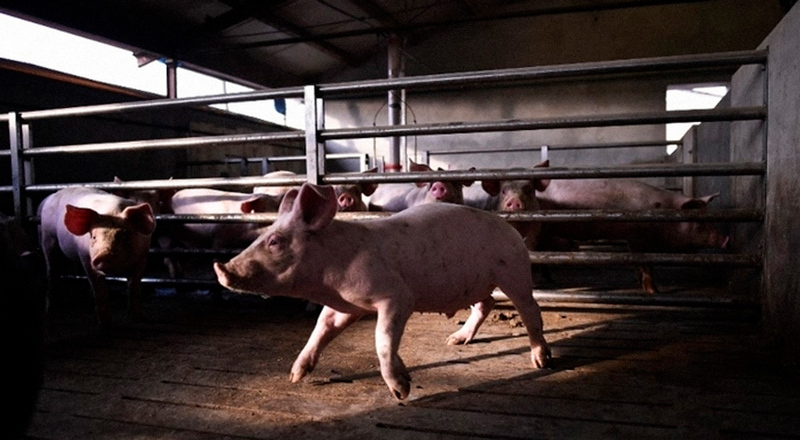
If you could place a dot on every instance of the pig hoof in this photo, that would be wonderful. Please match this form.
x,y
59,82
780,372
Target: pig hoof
x,y
457,339
540,356
401,388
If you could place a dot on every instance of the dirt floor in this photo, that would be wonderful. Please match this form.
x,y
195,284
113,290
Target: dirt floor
x,y
202,369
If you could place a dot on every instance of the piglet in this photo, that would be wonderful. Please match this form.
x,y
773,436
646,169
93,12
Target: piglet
x,y
106,234
395,197
416,260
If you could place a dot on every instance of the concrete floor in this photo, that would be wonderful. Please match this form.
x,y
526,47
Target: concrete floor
x,y
197,369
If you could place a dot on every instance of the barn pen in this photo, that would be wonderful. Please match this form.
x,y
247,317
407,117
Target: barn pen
x,y
694,361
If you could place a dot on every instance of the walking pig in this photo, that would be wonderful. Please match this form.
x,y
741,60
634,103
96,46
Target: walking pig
x,y
416,260
104,233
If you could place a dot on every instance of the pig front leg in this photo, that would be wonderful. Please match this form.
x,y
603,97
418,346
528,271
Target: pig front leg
x,y
330,324
135,295
478,313
100,292
392,318
646,276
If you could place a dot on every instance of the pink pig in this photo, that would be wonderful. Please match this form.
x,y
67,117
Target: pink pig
x,y
213,201
518,196
416,260
395,197
104,233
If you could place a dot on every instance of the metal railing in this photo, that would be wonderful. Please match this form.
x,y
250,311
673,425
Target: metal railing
x,y
316,135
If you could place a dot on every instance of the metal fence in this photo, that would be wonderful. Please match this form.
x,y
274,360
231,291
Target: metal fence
x,y
315,136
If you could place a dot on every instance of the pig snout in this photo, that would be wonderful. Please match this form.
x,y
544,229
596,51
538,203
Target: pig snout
x,y
346,201
223,276
439,191
103,262
513,204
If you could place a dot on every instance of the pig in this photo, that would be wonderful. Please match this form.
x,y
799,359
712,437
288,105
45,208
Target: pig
x,y
349,196
395,197
416,260
276,191
626,194
106,234
213,201
518,196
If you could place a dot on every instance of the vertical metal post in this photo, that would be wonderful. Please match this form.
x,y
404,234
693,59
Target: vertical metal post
x,y
544,153
394,103
172,79
16,143
689,156
315,150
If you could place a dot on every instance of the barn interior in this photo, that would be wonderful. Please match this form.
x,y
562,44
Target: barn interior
x,y
476,90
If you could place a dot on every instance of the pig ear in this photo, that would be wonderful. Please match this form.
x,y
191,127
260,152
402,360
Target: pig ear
x,y
468,182
492,187
140,218
288,201
418,167
255,204
316,206
368,188
709,197
79,221
541,184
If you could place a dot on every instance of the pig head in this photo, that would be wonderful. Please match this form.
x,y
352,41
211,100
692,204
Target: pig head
x,y
416,260
350,196
519,196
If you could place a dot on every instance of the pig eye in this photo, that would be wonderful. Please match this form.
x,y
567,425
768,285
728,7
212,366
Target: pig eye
x,y
275,241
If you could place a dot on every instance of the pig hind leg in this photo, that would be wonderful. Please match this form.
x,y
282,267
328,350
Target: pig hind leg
x,y
478,313
520,291
330,324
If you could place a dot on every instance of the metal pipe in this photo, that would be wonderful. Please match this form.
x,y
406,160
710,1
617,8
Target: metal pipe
x,y
641,300
198,141
635,259
656,170
646,144
632,66
667,117
545,216
258,95
639,65
394,103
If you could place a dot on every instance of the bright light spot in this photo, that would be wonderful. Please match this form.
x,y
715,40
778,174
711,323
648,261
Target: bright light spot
x,y
49,48
691,97
31,43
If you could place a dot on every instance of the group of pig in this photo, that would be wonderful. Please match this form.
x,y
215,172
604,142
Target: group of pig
x,y
415,260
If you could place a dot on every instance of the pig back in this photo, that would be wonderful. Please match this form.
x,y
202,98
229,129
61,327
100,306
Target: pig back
x,y
451,256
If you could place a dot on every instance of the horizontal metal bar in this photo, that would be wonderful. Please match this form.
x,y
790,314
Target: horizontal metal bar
x,y
632,171
258,95
327,156
546,216
638,65
666,117
198,141
634,259
649,170
648,144
542,296
654,215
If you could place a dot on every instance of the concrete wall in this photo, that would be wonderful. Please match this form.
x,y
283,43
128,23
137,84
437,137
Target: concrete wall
x,y
782,226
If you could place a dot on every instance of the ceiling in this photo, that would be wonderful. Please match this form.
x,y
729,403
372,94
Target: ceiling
x,y
275,43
